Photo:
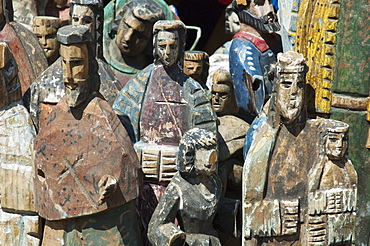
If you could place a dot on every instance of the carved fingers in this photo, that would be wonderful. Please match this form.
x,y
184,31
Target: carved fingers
x,y
107,186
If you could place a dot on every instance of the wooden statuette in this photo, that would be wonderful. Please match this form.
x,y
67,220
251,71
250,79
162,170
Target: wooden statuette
x,y
19,222
86,169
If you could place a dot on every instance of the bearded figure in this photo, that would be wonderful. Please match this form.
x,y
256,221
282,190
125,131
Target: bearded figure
x,y
252,51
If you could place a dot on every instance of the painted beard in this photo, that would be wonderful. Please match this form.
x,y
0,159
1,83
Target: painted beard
x,y
76,96
261,24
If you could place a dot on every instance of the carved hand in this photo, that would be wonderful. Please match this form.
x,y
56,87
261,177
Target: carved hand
x,y
289,215
107,186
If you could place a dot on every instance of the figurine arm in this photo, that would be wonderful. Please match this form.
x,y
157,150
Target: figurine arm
x,y
162,230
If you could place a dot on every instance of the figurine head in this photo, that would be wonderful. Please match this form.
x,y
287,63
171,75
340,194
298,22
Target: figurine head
x,y
196,65
197,152
91,14
10,89
223,97
337,140
290,85
259,14
75,62
134,24
232,23
45,29
169,41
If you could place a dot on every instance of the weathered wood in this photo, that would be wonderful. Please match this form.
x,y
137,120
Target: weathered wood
x,y
128,33
193,196
45,29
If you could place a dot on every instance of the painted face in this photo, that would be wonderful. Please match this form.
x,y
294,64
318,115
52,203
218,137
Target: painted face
x,y
167,46
193,69
75,65
261,8
336,145
83,15
221,98
205,161
132,36
290,95
232,24
47,37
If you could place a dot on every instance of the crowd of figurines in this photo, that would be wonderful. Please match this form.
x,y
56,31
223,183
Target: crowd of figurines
x,y
113,134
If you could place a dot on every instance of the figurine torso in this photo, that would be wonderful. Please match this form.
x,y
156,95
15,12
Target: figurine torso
x,y
165,113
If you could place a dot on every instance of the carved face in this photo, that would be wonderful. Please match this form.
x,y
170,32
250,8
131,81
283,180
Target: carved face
x,y
83,15
205,161
193,69
47,37
167,46
336,145
232,24
221,98
132,35
75,65
290,95
261,8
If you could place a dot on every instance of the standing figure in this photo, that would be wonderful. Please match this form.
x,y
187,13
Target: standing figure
x,y
281,151
193,197
23,44
45,29
128,47
87,172
157,106
252,51
19,222
332,192
48,88
231,133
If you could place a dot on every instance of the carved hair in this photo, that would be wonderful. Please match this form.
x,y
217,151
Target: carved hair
x,y
170,26
144,10
48,21
193,140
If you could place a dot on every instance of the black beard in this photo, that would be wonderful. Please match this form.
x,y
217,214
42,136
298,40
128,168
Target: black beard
x,y
259,23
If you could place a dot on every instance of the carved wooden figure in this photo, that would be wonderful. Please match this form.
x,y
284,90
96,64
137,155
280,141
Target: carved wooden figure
x,y
193,197
23,44
196,65
45,29
19,222
252,51
157,106
128,45
332,192
278,161
48,87
86,178
231,133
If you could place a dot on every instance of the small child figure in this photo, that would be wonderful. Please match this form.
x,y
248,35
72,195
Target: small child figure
x,y
193,197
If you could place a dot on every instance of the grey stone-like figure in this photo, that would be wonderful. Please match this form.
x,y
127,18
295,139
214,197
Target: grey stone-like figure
x,y
193,197
48,88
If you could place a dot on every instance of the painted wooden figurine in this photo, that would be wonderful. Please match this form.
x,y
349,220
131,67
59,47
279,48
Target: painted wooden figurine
x,y
252,51
193,197
48,87
86,178
45,29
19,222
23,44
161,103
128,45
157,106
196,65
332,192
278,161
231,133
